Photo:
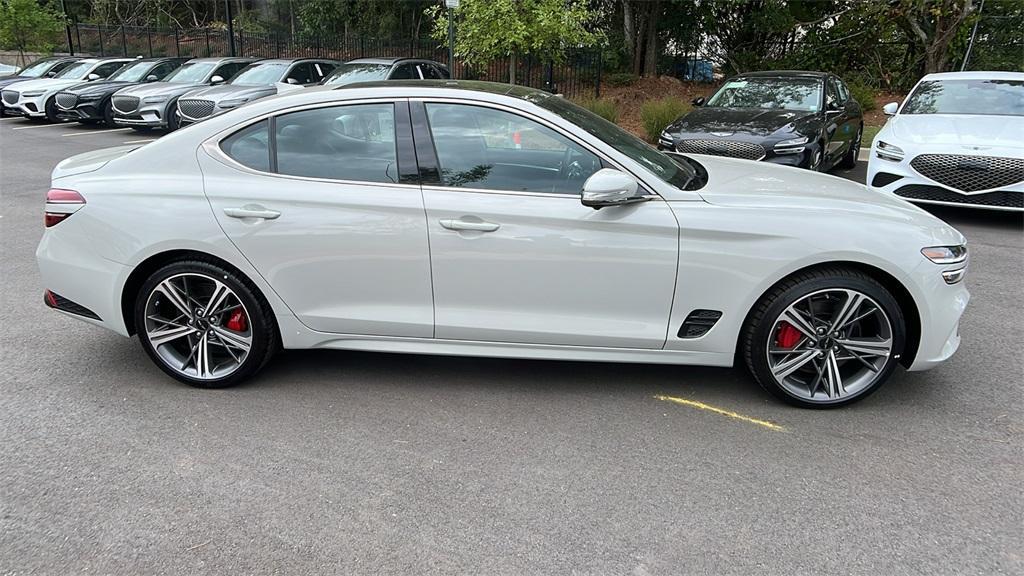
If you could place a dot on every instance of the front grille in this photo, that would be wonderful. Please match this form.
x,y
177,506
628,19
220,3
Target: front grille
x,y
125,104
1002,199
970,173
730,148
194,108
10,97
66,100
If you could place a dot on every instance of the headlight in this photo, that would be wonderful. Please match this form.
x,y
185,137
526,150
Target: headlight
x,y
154,99
232,103
887,151
33,94
945,254
665,139
791,146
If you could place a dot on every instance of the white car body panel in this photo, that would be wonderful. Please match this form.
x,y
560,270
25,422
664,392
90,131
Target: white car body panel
x,y
352,274
978,134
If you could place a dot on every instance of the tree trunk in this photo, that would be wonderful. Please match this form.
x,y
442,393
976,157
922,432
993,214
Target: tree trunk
x,y
628,27
651,57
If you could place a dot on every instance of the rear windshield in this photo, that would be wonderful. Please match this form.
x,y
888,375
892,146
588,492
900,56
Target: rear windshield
x,y
987,97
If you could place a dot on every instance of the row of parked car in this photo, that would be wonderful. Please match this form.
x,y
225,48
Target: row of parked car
x,y
146,93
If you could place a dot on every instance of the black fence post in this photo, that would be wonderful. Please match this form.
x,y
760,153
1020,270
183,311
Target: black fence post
x,y
67,27
124,42
208,43
317,44
99,32
177,45
231,27
78,35
549,73
362,46
600,65
149,40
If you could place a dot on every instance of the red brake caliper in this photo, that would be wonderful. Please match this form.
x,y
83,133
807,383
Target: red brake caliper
x,y
237,322
787,336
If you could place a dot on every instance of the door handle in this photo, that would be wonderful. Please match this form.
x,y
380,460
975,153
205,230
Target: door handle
x,y
250,211
469,225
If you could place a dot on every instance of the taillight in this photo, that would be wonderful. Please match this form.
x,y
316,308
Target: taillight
x,y
60,204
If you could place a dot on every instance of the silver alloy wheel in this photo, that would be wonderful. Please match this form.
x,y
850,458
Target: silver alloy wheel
x,y
198,326
829,345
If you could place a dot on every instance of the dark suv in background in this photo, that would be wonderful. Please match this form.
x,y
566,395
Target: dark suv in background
x,y
795,118
89,103
373,69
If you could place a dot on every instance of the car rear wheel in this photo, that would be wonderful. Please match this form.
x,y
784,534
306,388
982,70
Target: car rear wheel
x,y
824,338
204,325
173,118
108,114
51,110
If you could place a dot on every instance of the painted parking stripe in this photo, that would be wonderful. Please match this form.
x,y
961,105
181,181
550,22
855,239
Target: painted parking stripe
x,y
722,412
86,133
33,127
140,141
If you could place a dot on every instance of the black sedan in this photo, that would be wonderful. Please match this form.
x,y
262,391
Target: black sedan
x,y
804,119
42,68
89,102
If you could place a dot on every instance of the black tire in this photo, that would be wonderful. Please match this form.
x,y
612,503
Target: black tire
x,y
757,331
265,339
51,110
850,159
108,114
173,119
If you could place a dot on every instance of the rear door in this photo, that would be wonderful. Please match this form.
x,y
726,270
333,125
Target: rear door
x,y
838,122
324,202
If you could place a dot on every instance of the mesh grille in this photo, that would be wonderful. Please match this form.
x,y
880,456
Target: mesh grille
x,y
125,104
745,150
195,109
970,173
66,100
935,194
10,97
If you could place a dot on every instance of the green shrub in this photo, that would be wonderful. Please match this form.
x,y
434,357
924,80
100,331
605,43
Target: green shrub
x,y
657,114
603,107
864,95
621,79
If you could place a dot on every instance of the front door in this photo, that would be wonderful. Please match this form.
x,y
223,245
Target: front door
x,y
517,258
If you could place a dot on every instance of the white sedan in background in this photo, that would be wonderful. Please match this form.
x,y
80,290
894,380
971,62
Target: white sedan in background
x,y
479,219
958,139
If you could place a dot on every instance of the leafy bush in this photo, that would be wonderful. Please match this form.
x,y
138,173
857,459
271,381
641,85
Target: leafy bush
x,y
657,114
621,79
603,107
864,95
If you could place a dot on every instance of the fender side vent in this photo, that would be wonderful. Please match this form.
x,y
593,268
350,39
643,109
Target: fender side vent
x,y
698,323
61,303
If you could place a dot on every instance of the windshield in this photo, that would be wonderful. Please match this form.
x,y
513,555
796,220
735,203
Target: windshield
x,y
132,72
769,93
191,73
349,73
75,70
36,70
259,74
988,97
666,168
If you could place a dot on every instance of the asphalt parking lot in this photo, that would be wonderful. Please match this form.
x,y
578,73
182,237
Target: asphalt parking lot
x,y
349,463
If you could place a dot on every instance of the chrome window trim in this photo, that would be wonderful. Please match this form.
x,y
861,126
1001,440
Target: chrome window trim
x,y
212,145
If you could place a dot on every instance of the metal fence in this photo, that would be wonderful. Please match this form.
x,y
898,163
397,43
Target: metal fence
x,y
577,74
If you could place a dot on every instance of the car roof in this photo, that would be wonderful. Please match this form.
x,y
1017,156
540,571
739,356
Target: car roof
x,y
224,59
975,76
388,60
498,88
784,74
292,60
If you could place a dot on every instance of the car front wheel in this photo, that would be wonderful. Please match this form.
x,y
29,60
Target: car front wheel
x,y
204,325
824,338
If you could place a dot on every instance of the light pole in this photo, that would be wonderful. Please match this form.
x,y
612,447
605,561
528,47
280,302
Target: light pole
x,y
451,5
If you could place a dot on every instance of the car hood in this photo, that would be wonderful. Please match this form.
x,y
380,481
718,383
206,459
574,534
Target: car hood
x,y
230,92
971,132
729,121
158,89
760,185
97,87
8,80
45,84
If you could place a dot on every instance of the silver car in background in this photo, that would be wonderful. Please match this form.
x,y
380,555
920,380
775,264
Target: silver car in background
x,y
155,105
258,80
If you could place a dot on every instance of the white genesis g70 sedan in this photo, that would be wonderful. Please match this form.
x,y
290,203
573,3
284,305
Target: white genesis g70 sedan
x,y
483,219
957,140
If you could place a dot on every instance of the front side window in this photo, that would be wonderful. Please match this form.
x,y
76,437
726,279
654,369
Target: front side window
x,y
769,93
104,70
480,147
405,72
990,97
354,142
163,69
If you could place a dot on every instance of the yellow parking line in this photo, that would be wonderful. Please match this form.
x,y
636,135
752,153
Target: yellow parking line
x,y
722,411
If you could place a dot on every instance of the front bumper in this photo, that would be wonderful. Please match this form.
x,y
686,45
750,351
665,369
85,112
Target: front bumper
x,y
900,179
34,107
148,115
82,111
940,306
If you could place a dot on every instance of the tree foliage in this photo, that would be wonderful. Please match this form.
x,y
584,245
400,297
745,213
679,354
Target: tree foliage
x,y
28,25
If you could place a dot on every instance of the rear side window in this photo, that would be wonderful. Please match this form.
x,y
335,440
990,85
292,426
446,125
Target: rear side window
x,y
104,70
355,142
250,147
431,72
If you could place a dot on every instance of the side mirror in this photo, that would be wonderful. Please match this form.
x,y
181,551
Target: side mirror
x,y
292,81
891,108
51,74
93,77
608,187
151,78
699,101
217,80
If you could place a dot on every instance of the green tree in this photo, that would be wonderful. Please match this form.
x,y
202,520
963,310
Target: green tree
x,y
934,26
28,25
491,29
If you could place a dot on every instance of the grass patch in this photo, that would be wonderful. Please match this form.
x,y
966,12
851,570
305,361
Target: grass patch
x,y
869,135
603,107
657,114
